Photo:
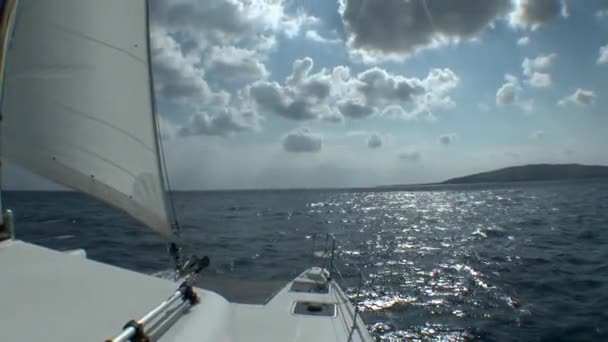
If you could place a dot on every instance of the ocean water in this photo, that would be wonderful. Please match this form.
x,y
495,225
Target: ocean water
x,y
506,262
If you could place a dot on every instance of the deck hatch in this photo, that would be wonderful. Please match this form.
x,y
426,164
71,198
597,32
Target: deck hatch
x,y
314,309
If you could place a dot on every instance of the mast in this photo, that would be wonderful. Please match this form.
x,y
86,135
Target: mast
x,y
174,249
7,16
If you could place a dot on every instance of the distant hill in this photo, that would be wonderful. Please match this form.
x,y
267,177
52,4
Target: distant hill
x,y
535,172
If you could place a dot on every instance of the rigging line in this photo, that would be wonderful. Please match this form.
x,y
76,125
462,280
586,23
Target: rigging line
x,y
175,250
8,13
155,117
429,16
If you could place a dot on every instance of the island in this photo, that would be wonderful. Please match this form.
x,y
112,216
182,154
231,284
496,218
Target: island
x,y
534,172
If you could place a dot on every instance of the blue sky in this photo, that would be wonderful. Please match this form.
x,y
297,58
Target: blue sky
x,y
319,93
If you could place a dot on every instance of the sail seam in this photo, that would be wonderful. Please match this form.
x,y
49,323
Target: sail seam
x,y
78,113
100,42
85,152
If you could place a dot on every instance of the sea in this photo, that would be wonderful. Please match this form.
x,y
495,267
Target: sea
x,y
489,262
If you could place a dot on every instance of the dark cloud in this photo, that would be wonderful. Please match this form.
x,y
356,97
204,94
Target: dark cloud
x,y
354,110
374,141
410,156
398,27
222,123
302,140
447,139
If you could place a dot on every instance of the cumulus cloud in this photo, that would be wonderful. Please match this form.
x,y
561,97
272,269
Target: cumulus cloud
x,y
335,94
407,97
235,64
374,141
315,36
507,93
301,140
227,21
535,69
580,97
302,97
354,110
534,14
540,63
410,156
178,76
603,58
399,28
540,80
523,41
222,123
447,139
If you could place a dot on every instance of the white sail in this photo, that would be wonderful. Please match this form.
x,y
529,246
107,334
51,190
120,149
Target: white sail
x,y
78,105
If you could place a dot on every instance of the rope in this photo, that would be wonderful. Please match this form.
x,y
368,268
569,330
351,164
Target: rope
x,y
174,249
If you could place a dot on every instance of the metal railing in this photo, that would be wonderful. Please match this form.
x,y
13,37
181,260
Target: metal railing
x,y
328,253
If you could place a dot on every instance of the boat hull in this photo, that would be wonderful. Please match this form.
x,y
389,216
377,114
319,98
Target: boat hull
x,y
71,298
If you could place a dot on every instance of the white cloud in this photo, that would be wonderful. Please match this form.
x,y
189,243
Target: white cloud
x,y
507,93
410,156
540,80
447,139
535,70
228,21
221,123
540,63
407,97
580,97
301,140
178,76
602,13
397,28
303,97
335,94
235,64
374,141
292,26
603,58
534,14
523,41
315,36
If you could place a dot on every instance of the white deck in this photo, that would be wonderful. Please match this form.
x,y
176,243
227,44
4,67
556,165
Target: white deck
x,y
47,295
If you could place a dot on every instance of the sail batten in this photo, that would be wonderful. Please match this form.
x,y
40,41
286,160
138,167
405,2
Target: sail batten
x,y
78,103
